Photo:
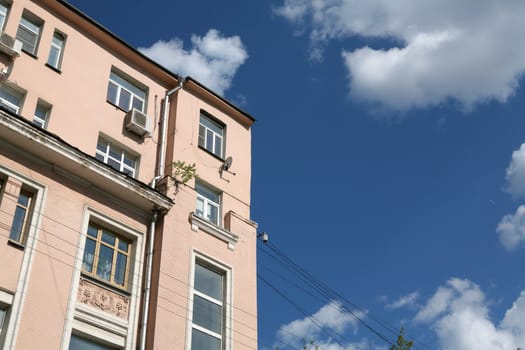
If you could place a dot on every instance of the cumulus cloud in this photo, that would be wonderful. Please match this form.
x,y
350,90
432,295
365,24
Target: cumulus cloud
x,y
213,59
459,315
515,173
408,300
511,229
331,318
445,50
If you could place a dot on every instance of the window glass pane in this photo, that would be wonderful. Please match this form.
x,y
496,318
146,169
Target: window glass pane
x,y
207,314
203,341
2,316
218,146
11,96
209,140
207,193
127,85
92,231
208,282
78,343
120,269
213,213
18,224
123,245
3,15
125,100
100,157
113,164
28,39
89,254
23,198
108,237
202,136
54,54
112,93
200,207
30,25
138,104
105,262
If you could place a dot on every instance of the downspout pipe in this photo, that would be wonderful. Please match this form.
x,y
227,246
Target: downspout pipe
x,y
152,226
164,127
149,268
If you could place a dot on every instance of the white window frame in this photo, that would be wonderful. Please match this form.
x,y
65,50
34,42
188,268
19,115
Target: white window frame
x,y
6,299
226,271
33,25
32,234
44,107
104,156
122,83
59,47
87,321
206,202
15,95
208,137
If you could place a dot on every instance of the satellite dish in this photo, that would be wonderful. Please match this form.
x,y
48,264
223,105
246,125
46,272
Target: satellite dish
x,y
227,163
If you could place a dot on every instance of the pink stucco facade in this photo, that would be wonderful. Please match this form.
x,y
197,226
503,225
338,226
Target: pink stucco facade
x,y
99,243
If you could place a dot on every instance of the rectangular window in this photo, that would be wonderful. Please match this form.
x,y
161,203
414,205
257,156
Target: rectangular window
x,y
11,99
55,52
106,255
79,343
125,94
116,157
211,136
29,31
3,316
208,203
4,10
42,112
208,308
21,217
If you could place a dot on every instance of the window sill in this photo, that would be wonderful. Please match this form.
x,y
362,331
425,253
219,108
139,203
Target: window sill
x,y
53,68
212,154
214,230
16,244
105,284
32,55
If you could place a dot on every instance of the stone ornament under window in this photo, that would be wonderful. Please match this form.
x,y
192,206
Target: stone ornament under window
x,y
103,299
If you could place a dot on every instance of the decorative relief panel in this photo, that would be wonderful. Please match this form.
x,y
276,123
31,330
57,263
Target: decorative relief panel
x,y
103,299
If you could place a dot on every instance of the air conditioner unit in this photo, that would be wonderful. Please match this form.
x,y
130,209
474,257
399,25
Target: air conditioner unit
x,y
10,45
138,122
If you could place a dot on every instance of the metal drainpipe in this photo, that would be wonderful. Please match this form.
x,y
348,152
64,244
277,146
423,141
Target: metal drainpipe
x,y
160,174
164,128
149,268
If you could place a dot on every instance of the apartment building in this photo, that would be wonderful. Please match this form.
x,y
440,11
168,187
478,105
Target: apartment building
x,y
102,245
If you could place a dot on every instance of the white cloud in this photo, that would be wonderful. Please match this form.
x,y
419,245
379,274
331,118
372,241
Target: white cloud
x,y
459,315
448,50
511,229
408,300
515,173
212,60
331,317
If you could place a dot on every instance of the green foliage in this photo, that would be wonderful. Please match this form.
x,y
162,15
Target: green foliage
x,y
183,172
402,343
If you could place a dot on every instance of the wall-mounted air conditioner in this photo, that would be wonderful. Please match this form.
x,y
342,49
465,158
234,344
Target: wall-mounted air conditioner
x,y
9,45
138,122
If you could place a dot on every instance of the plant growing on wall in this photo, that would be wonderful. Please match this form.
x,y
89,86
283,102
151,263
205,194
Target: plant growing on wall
x,y
183,172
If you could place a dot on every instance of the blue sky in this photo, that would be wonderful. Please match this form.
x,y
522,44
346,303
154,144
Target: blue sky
x,y
387,156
